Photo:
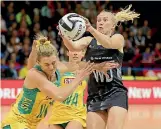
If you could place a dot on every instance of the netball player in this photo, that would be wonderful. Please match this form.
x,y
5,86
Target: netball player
x,y
107,101
71,113
40,88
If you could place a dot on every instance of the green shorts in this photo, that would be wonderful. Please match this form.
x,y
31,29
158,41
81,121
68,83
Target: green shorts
x,y
63,125
6,127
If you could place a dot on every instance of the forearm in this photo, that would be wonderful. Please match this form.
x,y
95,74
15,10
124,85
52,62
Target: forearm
x,y
32,59
82,64
66,91
104,40
69,44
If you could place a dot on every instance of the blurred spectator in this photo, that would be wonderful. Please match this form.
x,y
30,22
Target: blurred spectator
x,y
3,43
137,56
69,6
36,29
134,27
157,53
3,25
148,40
36,19
128,50
27,33
10,46
62,11
27,41
22,29
50,33
23,71
145,28
79,9
3,67
125,35
91,13
24,53
139,40
36,12
120,29
10,10
3,9
87,4
147,56
15,36
48,10
11,20
11,28
10,72
131,37
14,58
22,16
99,6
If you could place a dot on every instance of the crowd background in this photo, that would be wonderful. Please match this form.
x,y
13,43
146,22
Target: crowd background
x,y
20,21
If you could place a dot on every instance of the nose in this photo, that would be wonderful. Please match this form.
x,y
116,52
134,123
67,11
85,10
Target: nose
x,y
51,67
75,54
100,23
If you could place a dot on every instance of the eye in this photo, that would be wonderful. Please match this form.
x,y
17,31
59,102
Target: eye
x,y
54,63
98,20
46,65
105,20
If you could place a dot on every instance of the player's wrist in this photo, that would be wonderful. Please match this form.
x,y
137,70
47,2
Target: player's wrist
x,y
34,49
90,29
79,77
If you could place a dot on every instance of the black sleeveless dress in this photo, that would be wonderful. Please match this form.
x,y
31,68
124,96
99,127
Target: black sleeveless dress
x,y
104,92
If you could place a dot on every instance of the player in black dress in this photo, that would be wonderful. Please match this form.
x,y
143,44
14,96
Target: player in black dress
x,y
107,101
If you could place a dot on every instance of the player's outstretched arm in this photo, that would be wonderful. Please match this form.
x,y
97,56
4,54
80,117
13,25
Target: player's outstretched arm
x,y
32,57
114,42
57,93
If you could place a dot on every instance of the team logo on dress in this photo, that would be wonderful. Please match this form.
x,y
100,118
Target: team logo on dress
x,y
92,58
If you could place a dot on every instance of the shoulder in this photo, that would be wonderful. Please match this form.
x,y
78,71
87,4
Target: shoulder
x,y
34,75
118,36
117,42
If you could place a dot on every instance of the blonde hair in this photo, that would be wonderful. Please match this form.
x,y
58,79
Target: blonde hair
x,y
44,47
125,15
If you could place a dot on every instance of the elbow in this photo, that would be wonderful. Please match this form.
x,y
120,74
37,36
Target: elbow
x,y
73,48
60,98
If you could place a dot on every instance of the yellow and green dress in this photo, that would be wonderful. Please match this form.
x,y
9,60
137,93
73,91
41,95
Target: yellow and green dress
x,y
30,108
73,108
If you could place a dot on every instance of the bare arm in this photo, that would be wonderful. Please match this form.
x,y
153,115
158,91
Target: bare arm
x,y
77,45
115,42
32,57
60,94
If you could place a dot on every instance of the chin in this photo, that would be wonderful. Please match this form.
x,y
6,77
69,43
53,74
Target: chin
x,y
101,31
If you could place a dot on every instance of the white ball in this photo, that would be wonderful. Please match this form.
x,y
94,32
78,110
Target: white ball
x,y
72,26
